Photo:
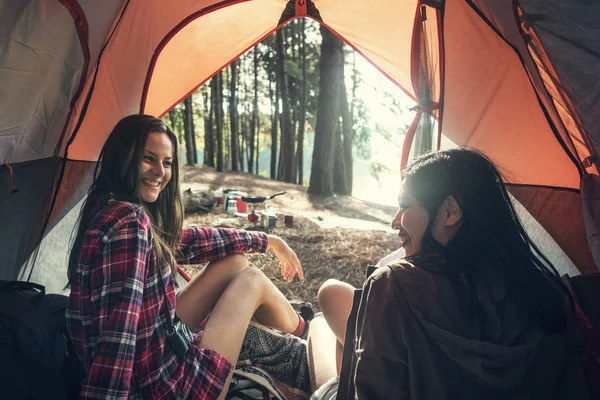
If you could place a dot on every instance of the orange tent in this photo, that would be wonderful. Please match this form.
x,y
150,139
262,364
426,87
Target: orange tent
x,y
497,75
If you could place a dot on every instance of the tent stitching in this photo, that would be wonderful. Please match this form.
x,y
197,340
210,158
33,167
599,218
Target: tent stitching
x,y
71,139
551,123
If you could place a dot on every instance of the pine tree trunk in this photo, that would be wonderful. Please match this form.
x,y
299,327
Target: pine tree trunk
x,y
287,135
172,119
340,186
209,153
302,113
330,74
225,112
233,117
219,119
347,138
280,157
194,147
257,147
243,139
293,87
187,130
274,126
254,121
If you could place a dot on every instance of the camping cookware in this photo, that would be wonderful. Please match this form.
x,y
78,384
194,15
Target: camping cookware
x,y
253,201
259,199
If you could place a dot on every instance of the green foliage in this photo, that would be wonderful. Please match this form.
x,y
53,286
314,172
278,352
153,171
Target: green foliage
x,y
293,69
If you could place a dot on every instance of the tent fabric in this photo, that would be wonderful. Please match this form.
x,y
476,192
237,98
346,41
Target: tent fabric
x,y
570,34
22,214
73,188
490,105
590,193
505,79
42,217
163,92
41,61
560,212
504,18
426,80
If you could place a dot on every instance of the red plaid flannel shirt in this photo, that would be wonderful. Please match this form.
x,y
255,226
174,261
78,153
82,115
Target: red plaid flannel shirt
x,y
116,316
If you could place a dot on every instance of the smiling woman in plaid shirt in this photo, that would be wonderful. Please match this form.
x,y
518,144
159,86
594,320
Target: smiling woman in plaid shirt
x,y
120,308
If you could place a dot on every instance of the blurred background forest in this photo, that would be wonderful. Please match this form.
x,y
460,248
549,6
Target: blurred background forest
x,y
300,107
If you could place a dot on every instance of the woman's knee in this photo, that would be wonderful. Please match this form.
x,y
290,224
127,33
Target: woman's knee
x,y
250,277
231,264
333,291
227,267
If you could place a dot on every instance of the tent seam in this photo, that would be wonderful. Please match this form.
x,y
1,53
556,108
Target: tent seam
x,y
549,120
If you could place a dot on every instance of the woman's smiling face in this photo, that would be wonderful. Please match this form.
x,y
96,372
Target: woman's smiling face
x,y
411,221
155,167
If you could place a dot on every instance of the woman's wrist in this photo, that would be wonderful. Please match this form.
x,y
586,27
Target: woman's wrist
x,y
273,241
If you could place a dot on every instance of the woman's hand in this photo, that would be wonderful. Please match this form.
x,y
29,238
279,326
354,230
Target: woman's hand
x,y
290,265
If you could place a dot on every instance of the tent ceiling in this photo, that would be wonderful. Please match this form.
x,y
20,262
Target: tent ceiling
x,y
104,13
380,30
195,53
490,105
125,64
489,101
40,63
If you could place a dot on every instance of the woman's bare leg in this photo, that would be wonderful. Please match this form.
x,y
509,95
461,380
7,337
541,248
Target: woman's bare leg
x,y
249,293
326,336
335,299
322,353
201,294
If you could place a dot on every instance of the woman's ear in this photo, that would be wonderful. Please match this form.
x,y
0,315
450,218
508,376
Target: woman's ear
x,y
451,212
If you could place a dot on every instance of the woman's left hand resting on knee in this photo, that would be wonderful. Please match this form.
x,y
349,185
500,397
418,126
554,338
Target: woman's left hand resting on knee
x,y
290,265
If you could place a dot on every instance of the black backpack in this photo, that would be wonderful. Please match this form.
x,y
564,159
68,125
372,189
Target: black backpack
x,y
37,361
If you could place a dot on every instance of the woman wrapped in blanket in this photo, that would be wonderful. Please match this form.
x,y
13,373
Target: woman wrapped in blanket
x,y
121,273
473,311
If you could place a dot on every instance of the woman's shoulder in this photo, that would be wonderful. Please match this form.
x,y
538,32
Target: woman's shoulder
x,y
113,214
391,275
414,270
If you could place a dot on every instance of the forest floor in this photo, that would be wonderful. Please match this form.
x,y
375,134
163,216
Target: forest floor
x,y
334,237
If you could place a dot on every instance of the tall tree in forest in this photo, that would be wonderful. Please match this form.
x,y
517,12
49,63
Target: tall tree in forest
x,y
331,64
176,116
243,138
188,115
293,72
209,140
274,126
302,112
172,118
257,146
287,134
274,97
243,117
345,179
194,144
219,118
225,118
233,116
193,128
254,120
340,185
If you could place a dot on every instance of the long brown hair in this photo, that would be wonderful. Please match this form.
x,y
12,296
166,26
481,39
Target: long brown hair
x,y
117,176
491,239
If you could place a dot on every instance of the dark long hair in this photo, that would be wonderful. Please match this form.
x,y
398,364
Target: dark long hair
x,y
491,235
117,176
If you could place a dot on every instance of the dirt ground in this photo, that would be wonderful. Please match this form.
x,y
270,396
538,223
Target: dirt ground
x,y
324,253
